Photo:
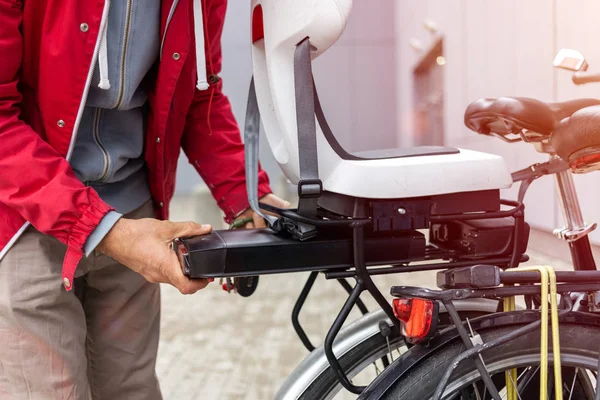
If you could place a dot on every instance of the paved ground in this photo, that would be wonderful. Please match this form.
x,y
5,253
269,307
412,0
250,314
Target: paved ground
x,y
217,346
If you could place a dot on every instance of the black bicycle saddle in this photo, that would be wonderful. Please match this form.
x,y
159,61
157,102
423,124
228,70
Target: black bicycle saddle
x,y
512,115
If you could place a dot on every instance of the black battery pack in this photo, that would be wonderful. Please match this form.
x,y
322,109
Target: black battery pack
x,y
479,238
250,252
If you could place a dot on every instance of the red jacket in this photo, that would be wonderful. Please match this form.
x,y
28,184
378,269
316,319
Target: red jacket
x,y
47,55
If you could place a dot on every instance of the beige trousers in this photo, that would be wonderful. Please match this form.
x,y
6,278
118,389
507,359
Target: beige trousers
x,y
98,341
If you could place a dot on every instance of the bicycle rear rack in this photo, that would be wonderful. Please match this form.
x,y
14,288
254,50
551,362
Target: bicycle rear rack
x,y
362,274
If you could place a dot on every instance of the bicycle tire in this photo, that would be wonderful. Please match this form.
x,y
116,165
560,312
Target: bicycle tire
x,y
578,345
364,354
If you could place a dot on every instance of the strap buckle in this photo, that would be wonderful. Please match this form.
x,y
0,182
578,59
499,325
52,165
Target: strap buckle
x,y
310,188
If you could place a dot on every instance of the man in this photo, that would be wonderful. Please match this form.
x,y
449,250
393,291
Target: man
x,y
96,99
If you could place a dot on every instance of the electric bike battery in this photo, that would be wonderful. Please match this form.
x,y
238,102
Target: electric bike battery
x,y
249,252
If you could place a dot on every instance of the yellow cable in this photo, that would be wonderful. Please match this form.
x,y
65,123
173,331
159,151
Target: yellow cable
x,y
548,276
514,370
510,375
555,334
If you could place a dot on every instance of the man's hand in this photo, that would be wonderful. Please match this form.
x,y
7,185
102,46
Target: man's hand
x,y
144,245
258,221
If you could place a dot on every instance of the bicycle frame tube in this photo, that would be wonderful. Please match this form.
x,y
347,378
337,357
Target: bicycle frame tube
x,y
581,253
575,227
569,200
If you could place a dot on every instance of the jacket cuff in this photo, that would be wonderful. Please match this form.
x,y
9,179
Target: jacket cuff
x,y
80,231
237,201
105,225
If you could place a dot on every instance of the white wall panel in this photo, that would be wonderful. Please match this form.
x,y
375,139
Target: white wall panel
x,y
373,97
492,48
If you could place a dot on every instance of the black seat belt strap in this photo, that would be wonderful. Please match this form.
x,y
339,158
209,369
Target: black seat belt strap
x,y
310,186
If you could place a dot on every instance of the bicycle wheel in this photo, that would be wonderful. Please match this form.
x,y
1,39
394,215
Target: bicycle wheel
x,y
579,357
363,362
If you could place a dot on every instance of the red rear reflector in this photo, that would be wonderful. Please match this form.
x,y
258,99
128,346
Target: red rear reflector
x,y
417,316
587,163
402,308
258,29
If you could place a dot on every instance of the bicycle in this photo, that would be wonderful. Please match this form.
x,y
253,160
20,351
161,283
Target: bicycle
x,y
579,353
355,230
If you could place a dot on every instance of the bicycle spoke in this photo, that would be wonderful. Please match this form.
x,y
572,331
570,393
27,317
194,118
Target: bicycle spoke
x,y
377,371
387,339
526,376
515,385
522,373
522,383
523,379
476,390
527,379
573,384
385,363
498,382
398,351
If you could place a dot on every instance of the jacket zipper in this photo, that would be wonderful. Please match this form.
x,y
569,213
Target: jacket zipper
x,y
124,54
88,82
96,134
169,18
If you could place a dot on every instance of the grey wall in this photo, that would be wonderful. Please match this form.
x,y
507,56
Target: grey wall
x,y
355,78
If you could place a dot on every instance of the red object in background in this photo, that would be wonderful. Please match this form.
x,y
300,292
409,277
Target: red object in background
x,y
227,287
416,315
258,29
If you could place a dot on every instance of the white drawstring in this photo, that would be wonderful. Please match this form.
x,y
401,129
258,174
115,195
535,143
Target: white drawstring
x,y
200,52
103,57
